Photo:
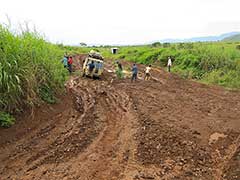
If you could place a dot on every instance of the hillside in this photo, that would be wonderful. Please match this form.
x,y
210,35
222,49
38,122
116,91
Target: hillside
x,y
111,129
202,39
234,38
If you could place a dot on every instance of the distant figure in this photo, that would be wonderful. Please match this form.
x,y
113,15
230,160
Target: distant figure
x,y
65,61
134,73
70,62
147,73
119,70
169,64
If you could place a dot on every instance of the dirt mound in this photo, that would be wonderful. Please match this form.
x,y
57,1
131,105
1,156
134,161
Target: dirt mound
x,y
166,128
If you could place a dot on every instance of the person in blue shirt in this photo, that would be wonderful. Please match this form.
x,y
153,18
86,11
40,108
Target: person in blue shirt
x,y
91,66
65,62
134,72
97,66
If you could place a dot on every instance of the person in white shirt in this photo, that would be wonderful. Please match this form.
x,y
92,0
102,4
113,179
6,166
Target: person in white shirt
x,y
147,73
169,64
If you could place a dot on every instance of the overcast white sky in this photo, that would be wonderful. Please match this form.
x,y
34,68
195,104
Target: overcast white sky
x,y
123,21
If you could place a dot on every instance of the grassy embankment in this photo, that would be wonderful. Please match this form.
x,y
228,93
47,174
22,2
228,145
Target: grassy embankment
x,y
30,72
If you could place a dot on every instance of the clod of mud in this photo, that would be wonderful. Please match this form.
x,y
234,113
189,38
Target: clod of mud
x,y
215,136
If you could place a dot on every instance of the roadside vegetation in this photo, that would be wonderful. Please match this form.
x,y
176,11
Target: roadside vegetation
x,y
213,63
30,72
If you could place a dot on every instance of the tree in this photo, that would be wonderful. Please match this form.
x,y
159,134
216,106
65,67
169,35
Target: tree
x,y
156,44
165,45
83,44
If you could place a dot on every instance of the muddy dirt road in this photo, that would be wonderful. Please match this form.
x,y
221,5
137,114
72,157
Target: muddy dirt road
x,y
166,128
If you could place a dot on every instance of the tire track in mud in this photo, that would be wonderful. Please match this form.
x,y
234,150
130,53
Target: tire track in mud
x,y
114,143
106,157
100,150
83,130
182,140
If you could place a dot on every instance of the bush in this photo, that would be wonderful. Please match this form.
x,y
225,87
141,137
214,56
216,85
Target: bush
x,y
156,44
166,45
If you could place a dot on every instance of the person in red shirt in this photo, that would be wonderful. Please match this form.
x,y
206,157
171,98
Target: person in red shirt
x,y
70,62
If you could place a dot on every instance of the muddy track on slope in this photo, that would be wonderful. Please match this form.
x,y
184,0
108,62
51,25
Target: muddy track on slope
x,y
166,128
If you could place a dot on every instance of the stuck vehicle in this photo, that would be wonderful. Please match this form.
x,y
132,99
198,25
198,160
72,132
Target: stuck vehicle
x,y
93,66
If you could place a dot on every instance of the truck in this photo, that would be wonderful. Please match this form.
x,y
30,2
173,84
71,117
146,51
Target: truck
x,y
96,69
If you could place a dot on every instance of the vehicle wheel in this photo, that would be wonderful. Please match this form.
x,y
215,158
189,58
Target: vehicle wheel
x,y
83,75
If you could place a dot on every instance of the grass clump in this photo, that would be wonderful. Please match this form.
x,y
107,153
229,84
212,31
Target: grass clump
x,y
47,94
6,120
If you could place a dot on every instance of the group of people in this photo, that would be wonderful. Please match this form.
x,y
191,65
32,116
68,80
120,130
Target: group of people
x,y
67,62
94,66
147,74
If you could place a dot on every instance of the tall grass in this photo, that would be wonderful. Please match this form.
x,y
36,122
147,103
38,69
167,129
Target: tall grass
x,y
27,64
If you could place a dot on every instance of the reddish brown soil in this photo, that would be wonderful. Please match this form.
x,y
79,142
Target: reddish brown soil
x,y
114,129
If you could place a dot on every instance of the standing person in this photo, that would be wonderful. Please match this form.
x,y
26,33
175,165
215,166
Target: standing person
x,y
169,64
119,70
65,61
70,62
91,66
97,66
134,73
147,73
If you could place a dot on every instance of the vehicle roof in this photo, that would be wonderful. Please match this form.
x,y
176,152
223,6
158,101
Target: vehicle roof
x,y
94,59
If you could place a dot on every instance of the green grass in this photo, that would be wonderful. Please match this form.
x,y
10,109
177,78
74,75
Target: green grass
x,y
6,120
47,94
27,64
